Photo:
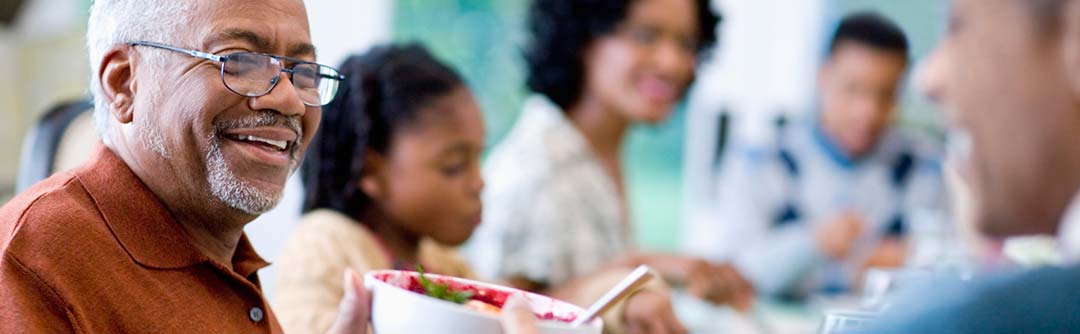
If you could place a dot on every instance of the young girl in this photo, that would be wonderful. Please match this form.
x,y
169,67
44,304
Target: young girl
x,y
393,181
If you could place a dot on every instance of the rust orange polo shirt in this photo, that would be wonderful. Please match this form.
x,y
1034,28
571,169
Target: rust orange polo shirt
x,y
94,251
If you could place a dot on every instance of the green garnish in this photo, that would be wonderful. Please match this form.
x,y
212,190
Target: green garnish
x,y
442,291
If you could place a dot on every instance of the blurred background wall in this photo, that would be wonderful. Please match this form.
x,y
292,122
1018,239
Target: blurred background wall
x,y
43,62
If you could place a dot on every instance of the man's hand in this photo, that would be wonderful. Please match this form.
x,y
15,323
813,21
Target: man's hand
x,y
719,284
651,312
837,237
354,312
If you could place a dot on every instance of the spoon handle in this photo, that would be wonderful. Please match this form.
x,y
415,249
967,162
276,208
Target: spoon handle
x,y
632,282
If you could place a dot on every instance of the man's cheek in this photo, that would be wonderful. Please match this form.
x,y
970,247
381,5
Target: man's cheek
x,y
311,125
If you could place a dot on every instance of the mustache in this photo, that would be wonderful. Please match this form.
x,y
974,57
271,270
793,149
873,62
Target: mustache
x,y
262,118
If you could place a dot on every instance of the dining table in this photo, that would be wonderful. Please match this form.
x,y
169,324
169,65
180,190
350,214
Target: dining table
x,y
766,316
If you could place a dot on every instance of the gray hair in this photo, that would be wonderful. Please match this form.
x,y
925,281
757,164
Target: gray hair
x,y
115,22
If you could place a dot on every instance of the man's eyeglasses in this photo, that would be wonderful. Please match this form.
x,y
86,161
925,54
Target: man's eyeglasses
x,y
256,74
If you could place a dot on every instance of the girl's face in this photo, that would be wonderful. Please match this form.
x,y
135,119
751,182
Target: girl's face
x,y
643,69
429,181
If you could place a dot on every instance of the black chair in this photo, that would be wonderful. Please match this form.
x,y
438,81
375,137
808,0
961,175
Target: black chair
x,y
38,159
9,11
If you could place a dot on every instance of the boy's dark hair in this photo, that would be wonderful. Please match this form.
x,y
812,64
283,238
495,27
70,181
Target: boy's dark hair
x,y
561,30
870,29
383,92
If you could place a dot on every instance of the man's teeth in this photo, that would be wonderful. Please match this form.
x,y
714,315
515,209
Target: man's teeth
x,y
280,144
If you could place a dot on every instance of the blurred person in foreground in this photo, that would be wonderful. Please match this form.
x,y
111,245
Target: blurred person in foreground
x,y
834,194
1007,74
204,108
555,201
393,182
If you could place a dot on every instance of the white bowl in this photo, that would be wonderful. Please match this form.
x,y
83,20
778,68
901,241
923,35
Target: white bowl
x,y
397,309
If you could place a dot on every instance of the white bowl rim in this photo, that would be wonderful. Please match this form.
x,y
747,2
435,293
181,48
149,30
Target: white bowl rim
x,y
370,281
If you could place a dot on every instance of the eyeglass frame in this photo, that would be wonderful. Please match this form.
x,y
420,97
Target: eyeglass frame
x,y
336,75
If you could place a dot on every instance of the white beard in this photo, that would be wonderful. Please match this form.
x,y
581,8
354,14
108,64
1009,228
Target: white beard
x,y
233,191
152,139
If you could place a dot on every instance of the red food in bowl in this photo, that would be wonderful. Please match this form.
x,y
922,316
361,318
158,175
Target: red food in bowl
x,y
493,297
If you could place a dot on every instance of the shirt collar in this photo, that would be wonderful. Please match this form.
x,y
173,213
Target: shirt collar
x,y
141,223
562,140
832,150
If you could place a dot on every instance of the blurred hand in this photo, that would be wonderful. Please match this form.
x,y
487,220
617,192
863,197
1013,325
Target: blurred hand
x,y
517,317
838,236
354,311
719,284
651,312
890,253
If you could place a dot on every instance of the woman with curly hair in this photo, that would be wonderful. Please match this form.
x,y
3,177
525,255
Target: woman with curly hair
x,y
555,204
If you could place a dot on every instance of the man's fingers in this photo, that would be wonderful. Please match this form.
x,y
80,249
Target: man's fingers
x,y
354,311
517,317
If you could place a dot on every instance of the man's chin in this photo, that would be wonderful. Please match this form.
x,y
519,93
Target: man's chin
x,y
994,228
858,147
251,196
271,188
260,196
1002,221
253,205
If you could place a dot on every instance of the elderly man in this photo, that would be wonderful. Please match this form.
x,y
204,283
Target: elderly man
x,y
1008,73
205,108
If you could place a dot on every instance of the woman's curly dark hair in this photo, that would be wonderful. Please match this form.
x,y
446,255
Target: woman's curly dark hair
x,y
561,30
384,91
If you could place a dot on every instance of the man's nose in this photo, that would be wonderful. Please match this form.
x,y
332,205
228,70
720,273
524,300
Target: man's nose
x,y
283,98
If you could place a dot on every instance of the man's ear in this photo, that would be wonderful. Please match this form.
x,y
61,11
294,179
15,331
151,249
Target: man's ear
x,y
117,74
373,178
1070,42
